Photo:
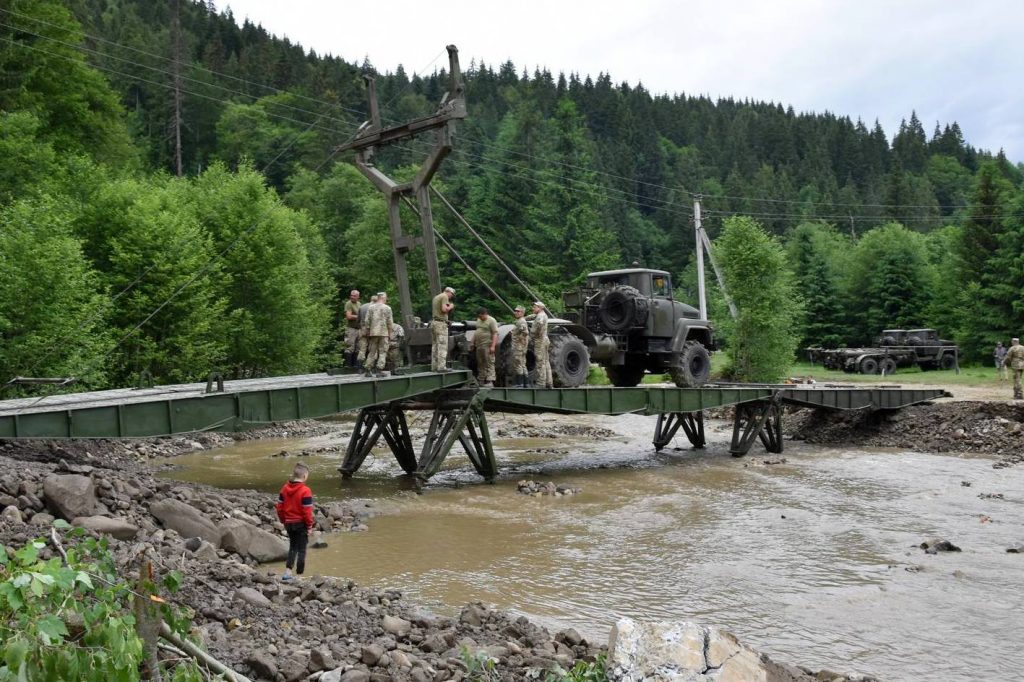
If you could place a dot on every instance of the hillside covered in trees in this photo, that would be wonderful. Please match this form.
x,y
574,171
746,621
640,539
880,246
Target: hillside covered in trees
x,y
170,198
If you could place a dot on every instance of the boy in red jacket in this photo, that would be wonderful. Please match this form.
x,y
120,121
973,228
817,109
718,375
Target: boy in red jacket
x,y
295,511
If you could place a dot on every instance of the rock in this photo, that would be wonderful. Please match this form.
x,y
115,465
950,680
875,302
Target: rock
x,y
1018,549
188,521
206,551
355,676
684,651
70,496
938,545
473,614
12,514
570,637
372,653
42,519
401,659
294,667
192,544
8,501
399,627
246,539
250,595
118,528
262,664
321,659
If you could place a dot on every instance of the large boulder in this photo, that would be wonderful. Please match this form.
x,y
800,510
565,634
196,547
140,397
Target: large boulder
x,y
687,652
188,521
70,496
117,528
246,539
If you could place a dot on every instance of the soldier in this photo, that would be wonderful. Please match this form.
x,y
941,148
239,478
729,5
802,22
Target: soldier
x,y
485,340
440,307
351,328
360,357
520,343
539,334
379,327
395,347
999,353
1015,360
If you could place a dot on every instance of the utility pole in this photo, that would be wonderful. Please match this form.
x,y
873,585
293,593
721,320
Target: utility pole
x,y
704,244
176,43
372,135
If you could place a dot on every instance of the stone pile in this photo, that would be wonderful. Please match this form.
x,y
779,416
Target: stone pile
x,y
537,489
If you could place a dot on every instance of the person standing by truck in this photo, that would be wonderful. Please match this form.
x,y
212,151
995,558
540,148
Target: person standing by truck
x,y
379,327
520,344
352,328
440,308
1015,360
539,334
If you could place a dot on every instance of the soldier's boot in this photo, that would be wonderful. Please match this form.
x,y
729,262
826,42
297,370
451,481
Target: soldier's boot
x,y
521,381
350,360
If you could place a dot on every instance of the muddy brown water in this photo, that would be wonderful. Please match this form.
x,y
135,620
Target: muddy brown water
x,y
814,561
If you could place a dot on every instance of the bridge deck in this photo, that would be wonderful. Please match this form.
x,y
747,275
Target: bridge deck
x,y
183,408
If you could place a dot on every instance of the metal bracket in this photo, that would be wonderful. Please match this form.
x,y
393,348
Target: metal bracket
x,y
219,378
668,424
760,419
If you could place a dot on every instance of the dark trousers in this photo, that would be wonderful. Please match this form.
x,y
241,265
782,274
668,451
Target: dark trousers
x,y
298,536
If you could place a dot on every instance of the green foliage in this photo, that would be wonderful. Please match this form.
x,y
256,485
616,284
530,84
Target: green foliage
x,y
814,253
52,312
763,338
73,620
583,671
479,666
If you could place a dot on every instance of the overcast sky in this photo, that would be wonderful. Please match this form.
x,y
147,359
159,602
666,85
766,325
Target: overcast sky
x,y
949,60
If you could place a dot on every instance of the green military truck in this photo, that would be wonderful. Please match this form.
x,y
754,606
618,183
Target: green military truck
x,y
895,348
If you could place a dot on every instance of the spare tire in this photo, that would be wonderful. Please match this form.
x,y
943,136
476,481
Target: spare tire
x,y
570,361
623,308
888,340
692,367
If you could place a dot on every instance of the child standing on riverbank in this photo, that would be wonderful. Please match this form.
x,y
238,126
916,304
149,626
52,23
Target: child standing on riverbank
x,y
295,511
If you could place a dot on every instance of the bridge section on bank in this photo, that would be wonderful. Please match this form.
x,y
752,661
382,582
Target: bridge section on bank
x,y
459,410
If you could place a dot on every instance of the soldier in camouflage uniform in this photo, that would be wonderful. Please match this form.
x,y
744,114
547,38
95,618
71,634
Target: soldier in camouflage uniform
x,y
440,307
520,344
379,327
363,310
485,341
351,328
539,334
1015,361
395,347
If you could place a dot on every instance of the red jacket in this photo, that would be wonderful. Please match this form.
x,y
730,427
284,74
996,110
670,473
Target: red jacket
x,y
295,504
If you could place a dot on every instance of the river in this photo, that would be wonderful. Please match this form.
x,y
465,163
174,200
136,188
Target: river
x,y
814,560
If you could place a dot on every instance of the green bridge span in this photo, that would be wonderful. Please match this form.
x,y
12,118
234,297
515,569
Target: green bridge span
x,y
459,411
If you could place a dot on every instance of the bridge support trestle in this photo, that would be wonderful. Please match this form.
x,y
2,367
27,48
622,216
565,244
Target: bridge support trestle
x,y
669,423
761,419
466,423
372,423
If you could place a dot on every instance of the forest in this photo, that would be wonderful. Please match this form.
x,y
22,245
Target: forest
x,y
171,200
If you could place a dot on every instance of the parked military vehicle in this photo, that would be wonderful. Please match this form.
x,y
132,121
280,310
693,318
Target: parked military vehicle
x,y
895,348
624,320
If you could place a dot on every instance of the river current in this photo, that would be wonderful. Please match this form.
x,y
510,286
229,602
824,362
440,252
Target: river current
x,y
814,560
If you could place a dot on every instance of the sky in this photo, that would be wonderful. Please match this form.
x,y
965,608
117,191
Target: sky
x,y
948,60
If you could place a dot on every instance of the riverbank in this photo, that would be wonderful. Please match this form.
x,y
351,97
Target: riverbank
x,y
243,614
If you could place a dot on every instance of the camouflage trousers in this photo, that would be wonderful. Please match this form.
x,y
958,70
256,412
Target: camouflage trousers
x,y
361,349
351,339
540,349
439,345
519,359
376,352
1017,392
484,364
394,357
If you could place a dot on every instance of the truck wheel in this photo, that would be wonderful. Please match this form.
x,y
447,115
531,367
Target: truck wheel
x,y
570,361
947,361
625,375
869,366
888,366
622,308
692,368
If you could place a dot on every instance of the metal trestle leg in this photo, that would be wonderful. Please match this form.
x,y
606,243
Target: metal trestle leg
x,y
668,424
762,420
372,423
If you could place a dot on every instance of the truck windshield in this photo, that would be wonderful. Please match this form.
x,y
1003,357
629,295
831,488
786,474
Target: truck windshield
x,y
660,286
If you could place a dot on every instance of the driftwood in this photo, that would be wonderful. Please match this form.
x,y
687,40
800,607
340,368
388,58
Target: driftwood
x,y
197,653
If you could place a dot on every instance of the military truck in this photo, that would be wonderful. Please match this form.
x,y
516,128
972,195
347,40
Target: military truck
x,y
624,320
895,348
